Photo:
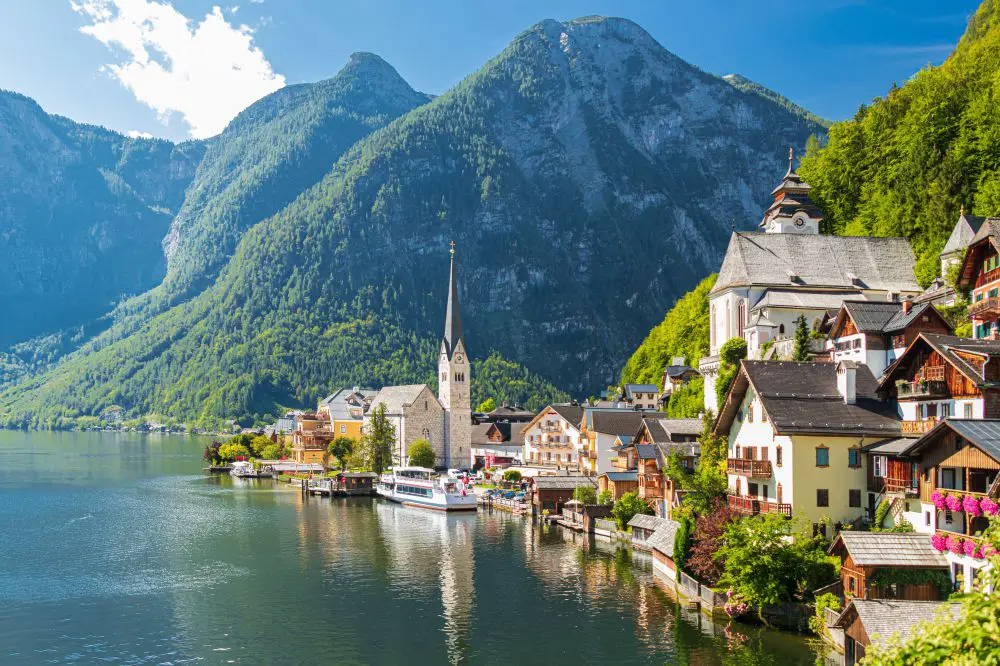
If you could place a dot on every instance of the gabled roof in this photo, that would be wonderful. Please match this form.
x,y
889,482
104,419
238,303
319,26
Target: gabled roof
x,y
571,412
884,316
802,398
889,549
963,233
883,618
892,447
662,539
396,397
664,430
616,422
563,482
645,522
480,433
852,263
631,389
988,235
679,370
618,477
948,346
984,434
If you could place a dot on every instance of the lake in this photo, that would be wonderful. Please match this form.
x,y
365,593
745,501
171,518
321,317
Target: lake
x,y
117,549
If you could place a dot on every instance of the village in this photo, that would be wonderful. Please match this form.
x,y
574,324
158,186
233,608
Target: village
x,y
846,409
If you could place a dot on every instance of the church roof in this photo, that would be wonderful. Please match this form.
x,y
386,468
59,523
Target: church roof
x,y
396,397
453,314
816,261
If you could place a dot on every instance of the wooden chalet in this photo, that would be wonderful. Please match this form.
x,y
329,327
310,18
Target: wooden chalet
x,y
863,555
939,376
891,475
980,273
868,621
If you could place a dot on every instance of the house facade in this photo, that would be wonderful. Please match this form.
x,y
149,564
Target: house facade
x,y
345,411
552,438
600,428
980,273
415,413
795,435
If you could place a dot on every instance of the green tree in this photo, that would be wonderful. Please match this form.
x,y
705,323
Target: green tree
x,y
586,494
378,437
511,476
730,354
341,448
682,543
271,452
487,406
604,498
627,506
802,339
231,451
257,444
422,454
768,562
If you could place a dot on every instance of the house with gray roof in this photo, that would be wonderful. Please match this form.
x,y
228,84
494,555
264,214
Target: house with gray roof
x,y
552,439
661,543
769,279
795,434
876,333
940,291
867,622
870,560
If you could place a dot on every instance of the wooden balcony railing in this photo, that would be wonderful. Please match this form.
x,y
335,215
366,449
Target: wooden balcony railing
x,y
987,277
757,469
921,389
901,485
749,506
918,427
986,308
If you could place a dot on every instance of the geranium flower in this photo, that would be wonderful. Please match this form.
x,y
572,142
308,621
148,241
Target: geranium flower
x,y
955,545
939,542
971,506
989,507
937,498
953,502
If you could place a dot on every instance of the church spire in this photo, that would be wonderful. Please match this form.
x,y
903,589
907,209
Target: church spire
x,y
453,315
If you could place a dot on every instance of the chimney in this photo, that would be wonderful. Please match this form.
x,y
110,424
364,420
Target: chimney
x,y
907,305
847,381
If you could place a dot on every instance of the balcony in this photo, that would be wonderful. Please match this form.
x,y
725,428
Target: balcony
x,y
748,506
918,427
985,309
755,469
924,388
987,277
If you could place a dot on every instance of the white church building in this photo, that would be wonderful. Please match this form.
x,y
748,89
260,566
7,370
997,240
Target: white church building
x,y
788,270
446,420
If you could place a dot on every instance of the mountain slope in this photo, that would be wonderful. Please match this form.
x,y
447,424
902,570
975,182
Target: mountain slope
x,y
82,213
907,163
588,177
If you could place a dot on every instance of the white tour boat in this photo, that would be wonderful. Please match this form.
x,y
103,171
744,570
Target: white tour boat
x,y
421,487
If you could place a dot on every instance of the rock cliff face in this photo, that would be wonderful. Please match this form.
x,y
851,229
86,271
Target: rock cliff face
x,y
588,176
82,213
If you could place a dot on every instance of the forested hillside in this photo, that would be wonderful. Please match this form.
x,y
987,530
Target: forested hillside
x,y
580,173
83,211
908,162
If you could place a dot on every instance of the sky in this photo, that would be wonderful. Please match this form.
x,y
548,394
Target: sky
x,y
180,69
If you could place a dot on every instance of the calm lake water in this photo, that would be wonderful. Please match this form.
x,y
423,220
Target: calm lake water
x,y
116,549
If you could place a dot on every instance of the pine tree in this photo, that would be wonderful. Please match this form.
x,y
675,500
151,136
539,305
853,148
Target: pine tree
x,y
801,352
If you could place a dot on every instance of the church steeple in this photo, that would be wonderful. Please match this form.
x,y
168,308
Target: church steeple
x,y
792,210
453,315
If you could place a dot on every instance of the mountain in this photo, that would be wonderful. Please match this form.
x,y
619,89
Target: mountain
x,y
82,214
754,88
588,177
907,163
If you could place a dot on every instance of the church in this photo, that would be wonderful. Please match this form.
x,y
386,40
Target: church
x,y
788,270
446,420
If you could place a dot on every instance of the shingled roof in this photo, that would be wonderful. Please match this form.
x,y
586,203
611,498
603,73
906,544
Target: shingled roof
x,y
884,316
963,233
984,434
817,261
889,549
645,522
616,421
802,398
562,482
951,349
662,539
396,397
883,618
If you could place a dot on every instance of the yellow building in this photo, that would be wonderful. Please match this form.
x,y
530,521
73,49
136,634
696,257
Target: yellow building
x,y
311,439
795,433
344,411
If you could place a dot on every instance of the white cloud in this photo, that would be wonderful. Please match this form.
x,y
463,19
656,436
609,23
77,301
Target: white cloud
x,y
136,134
207,72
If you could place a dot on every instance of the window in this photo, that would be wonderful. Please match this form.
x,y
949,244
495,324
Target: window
x,y
854,459
781,329
878,467
752,489
777,494
444,376
967,410
850,584
854,497
822,456
822,497
927,518
947,516
777,454
945,410
343,428
749,413
948,479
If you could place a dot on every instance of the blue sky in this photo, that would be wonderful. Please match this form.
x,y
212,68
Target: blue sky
x,y
166,68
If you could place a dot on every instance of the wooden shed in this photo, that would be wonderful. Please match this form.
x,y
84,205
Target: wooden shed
x,y
869,621
889,565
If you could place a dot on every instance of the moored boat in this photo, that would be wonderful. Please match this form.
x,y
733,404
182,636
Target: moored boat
x,y
421,487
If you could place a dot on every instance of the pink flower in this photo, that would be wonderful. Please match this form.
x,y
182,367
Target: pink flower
x,y
971,506
969,546
953,502
939,542
989,507
938,499
954,545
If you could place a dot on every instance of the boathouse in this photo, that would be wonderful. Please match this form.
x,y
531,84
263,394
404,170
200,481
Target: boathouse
x,y
890,565
866,622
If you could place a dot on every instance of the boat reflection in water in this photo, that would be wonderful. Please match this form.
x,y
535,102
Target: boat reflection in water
x,y
428,546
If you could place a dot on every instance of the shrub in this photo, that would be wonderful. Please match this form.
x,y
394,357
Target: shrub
x,y
818,621
627,506
682,544
512,476
605,498
421,454
586,494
